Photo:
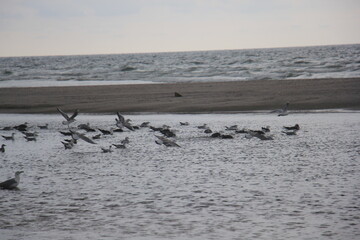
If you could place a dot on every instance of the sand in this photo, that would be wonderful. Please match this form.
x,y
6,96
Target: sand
x,y
305,94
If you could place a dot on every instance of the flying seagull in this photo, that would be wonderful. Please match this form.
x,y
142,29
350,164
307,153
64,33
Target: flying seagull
x,y
68,119
283,111
11,183
166,142
77,135
122,122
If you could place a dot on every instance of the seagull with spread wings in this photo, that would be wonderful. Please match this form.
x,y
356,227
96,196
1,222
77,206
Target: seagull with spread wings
x,y
68,119
122,122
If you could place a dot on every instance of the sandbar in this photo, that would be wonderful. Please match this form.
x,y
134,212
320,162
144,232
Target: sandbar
x,y
203,97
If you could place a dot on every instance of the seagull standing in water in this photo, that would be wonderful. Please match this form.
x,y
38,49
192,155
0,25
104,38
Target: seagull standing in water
x,y
11,183
9,137
2,149
68,119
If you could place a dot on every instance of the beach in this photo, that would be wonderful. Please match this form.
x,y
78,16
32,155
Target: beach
x,y
204,97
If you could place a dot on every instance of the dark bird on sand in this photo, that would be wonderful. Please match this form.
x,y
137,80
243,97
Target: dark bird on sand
x,y
295,127
29,139
106,150
290,132
65,133
2,149
11,183
120,146
86,127
9,137
44,126
106,132
21,127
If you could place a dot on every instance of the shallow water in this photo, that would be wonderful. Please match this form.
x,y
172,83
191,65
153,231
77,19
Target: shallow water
x,y
293,187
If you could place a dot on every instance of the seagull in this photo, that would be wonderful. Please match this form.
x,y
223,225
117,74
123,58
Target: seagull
x,y
259,134
30,134
145,124
30,138
125,141
122,146
68,145
97,136
106,150
184,123
166,142
283,111
22,127
77,135
122,122
106,132
68,119
9,137
2,149
295,127
265,129
208,130
204,126
11,183
44,126
86,127
65,133
290,133
167,132
233,127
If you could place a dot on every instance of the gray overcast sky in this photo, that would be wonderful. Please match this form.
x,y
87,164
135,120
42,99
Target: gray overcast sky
x,y
70,27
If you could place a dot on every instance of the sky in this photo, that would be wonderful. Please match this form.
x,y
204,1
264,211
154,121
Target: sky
x,y
74,27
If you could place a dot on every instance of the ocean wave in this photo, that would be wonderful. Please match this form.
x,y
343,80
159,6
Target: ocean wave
x,y
278,63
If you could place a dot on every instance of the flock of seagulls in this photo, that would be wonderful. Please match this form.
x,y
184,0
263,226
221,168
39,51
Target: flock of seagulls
x,y
167,138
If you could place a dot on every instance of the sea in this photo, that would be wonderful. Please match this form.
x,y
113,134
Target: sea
x,y
300,186
338,61
303,186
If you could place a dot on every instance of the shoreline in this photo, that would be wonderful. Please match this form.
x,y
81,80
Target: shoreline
x,y
199,97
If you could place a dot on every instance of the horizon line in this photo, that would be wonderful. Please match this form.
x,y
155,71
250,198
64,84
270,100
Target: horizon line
x,y
180,51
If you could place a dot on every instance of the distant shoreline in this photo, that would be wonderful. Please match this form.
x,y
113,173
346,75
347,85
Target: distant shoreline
x,y
232,96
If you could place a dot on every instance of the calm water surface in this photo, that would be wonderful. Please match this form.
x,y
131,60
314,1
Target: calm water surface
x,y
293,187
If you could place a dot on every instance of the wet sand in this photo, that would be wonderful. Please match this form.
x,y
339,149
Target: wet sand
x,y
309,94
